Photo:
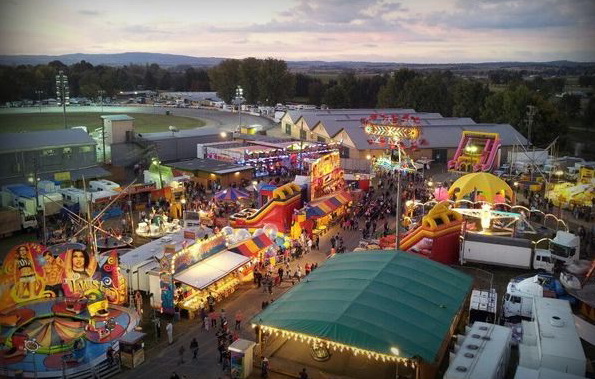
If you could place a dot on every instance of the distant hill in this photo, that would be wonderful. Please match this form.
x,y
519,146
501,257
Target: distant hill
x,y
170,60
121,59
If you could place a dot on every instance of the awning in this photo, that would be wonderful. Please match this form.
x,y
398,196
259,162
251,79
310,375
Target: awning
x,y
327,205
253,246
208,271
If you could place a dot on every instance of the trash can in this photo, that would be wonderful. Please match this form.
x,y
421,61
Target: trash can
x,y
167,113
241,352
132,349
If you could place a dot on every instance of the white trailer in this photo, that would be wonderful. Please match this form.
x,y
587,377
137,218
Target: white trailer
x,y
504,251
102,185
484,352
551,342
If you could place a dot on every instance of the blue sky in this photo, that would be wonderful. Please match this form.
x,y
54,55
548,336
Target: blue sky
x,y
415,31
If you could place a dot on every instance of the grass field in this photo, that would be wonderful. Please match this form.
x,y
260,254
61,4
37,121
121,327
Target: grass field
x,y
143,123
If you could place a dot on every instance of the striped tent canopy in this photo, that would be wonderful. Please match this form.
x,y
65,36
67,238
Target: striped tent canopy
x,y
231,194
252,246
326,205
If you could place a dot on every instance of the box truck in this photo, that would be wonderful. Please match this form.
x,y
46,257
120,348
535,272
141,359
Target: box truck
x,y
504,251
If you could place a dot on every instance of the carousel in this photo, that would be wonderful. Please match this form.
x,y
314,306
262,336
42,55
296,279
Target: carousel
x,y
157,227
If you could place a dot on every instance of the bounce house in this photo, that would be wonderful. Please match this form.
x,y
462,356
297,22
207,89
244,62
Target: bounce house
x,y
582,193
437,237
277,211
477,151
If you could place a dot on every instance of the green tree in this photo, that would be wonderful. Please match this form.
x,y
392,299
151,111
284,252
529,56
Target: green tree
x,y
588,118
315,92
335,97
569,105
468,98
390,94
225,77
166,81
493,108
249,69
276,83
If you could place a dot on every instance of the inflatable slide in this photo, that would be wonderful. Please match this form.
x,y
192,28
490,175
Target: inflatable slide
x,y
438,236
277,211
477,151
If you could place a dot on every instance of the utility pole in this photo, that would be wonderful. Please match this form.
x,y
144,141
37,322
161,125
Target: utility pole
x,y
62,92
101,93
531,112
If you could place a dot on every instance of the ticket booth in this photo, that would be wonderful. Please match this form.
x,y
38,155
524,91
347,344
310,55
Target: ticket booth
x,y
241,356
132,349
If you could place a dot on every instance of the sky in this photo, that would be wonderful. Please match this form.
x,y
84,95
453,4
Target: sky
x,y
407,31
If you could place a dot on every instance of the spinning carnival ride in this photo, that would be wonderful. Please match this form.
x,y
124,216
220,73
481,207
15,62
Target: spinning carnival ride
x,y
397,132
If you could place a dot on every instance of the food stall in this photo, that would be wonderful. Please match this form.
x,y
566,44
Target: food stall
x,y
219,275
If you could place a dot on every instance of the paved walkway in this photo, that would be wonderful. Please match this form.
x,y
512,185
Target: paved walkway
x,y
161,360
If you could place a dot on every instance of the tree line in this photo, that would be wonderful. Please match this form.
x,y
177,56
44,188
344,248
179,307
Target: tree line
x,y
503,97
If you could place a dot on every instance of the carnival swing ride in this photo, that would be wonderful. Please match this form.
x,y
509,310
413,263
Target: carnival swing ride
x,y
399,133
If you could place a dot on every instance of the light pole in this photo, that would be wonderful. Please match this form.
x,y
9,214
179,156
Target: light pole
x,y
35,181
62,92
101,93
157,163
39,93
239,94
398,210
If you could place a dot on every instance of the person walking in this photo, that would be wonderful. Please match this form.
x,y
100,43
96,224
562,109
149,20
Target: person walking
x,y
157,323
206,323
181,353
264,367
239,318
213,317
303,374
194,348
170,332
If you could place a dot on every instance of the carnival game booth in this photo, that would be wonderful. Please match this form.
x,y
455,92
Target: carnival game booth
x,y
277,211
367,315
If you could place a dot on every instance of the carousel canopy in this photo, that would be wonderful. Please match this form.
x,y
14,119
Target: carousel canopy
x,y
231,194
487,186
375,301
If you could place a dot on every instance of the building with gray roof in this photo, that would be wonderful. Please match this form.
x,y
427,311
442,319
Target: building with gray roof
x,y
46,153
440,135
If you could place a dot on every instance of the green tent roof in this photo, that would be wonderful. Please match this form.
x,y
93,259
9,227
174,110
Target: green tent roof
x,y
374,300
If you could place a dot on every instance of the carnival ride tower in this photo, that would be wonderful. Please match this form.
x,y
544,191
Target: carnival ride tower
x,y
397,132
